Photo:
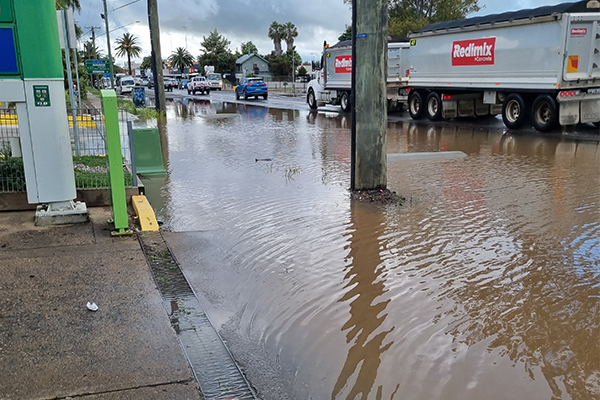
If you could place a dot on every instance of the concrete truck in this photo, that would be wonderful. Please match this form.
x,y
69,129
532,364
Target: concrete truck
x,y
538,66
333,81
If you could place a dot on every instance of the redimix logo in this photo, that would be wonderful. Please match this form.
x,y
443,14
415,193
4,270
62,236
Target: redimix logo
x,y
578,31
474,52
343,64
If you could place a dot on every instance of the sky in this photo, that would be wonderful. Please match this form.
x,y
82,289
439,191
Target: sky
x,y
184,23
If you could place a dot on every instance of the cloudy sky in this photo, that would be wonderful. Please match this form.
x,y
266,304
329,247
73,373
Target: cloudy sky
x,y
185,22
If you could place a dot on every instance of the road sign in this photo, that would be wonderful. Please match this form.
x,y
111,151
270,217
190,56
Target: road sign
x,y
97,66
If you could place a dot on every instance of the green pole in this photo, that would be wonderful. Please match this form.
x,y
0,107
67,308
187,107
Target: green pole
x,y
115,162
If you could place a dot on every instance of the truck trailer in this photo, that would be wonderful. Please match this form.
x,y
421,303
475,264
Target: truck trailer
x,y
538,66
333,82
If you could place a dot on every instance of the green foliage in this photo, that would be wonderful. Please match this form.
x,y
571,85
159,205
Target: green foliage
x,y
410,15
276,32
279,65
12,172
91,52
301,71
146,63
74,4
143,113
347,35
216,52
181,58
128,46
290,32
248,48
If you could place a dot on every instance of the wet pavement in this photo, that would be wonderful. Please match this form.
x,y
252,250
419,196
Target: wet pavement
x,y
484,284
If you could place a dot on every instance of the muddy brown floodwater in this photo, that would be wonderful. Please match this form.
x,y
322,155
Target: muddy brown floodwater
x,y
485,284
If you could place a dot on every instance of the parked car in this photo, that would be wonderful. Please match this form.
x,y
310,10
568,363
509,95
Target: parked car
x,y
125,85
198,84
255,86
170,83
183,83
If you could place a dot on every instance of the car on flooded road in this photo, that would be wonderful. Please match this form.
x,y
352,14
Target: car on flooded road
x,y
255,86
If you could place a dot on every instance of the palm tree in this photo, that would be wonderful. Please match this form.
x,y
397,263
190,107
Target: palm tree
x,y
276,34
181,58
91,52
74,4
289,33
128,45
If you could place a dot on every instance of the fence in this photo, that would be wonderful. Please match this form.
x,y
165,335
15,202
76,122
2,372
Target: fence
x,y
88,143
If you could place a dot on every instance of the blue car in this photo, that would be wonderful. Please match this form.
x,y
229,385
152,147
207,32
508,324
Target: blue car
x,y
255,86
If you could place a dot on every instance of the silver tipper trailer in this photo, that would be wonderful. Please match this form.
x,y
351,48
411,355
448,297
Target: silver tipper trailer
x,y
333,83
540,66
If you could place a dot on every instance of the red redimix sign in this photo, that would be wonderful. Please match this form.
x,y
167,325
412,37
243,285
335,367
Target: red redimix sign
x,y
474,52
343,64
578,31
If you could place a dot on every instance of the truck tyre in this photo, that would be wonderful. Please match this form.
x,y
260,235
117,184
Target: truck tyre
x,y
544,113
514,111
194,92
310,99
345,102
415,105
434,107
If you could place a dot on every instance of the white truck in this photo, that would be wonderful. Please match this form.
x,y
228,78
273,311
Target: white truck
x,y
538,66
333,81
216,83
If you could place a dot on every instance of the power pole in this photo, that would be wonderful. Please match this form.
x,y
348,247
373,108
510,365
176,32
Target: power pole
x,y
369,105
157,66
93,28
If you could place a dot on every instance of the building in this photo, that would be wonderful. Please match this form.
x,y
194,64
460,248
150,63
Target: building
x,y
252,63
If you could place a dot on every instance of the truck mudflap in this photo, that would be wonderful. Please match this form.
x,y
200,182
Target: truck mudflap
x,y
582,109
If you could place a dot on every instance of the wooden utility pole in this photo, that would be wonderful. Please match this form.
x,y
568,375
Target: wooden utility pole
x,y
369,105
157,66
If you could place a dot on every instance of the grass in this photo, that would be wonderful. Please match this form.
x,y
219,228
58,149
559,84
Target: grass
x,y
143,112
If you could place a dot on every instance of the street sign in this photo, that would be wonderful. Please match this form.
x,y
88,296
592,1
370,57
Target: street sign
x,y
97,66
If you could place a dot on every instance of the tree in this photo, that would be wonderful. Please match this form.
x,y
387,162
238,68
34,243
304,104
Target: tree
x,y
216,52
347,35
301,71
146,63
289,33
248,48
276,34
127,45
91,52
181,58
74,4
410,15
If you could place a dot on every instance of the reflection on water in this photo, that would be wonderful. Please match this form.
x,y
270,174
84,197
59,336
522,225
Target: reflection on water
x,y
485,286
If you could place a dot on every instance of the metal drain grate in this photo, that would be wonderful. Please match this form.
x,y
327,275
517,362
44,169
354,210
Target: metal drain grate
x,y
213,366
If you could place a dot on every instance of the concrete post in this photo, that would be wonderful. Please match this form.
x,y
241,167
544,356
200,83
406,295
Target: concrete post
x,y
369,66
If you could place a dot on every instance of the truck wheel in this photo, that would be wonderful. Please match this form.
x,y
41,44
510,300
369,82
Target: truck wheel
x,y
415,105
194,92
544,113
310,99
514,111
345,102
434,107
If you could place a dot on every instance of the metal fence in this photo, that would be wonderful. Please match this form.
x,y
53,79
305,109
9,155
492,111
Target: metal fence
x,y
88,142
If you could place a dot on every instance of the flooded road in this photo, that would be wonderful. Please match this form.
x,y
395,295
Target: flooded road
x,y
485,284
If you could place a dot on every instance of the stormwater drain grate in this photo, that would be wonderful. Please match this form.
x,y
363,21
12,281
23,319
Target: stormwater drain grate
x,y
213,366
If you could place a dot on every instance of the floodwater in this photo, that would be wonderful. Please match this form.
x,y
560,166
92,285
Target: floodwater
x,y
485,284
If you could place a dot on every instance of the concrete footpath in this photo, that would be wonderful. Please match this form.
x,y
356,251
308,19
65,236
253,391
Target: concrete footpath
x,y
52,346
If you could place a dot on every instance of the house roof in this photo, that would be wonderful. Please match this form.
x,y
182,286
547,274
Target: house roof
x,y
579,6
246,57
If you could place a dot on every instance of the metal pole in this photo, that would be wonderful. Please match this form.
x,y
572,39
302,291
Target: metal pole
x,y
157,66
110,60
77,76
70,79
353,102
